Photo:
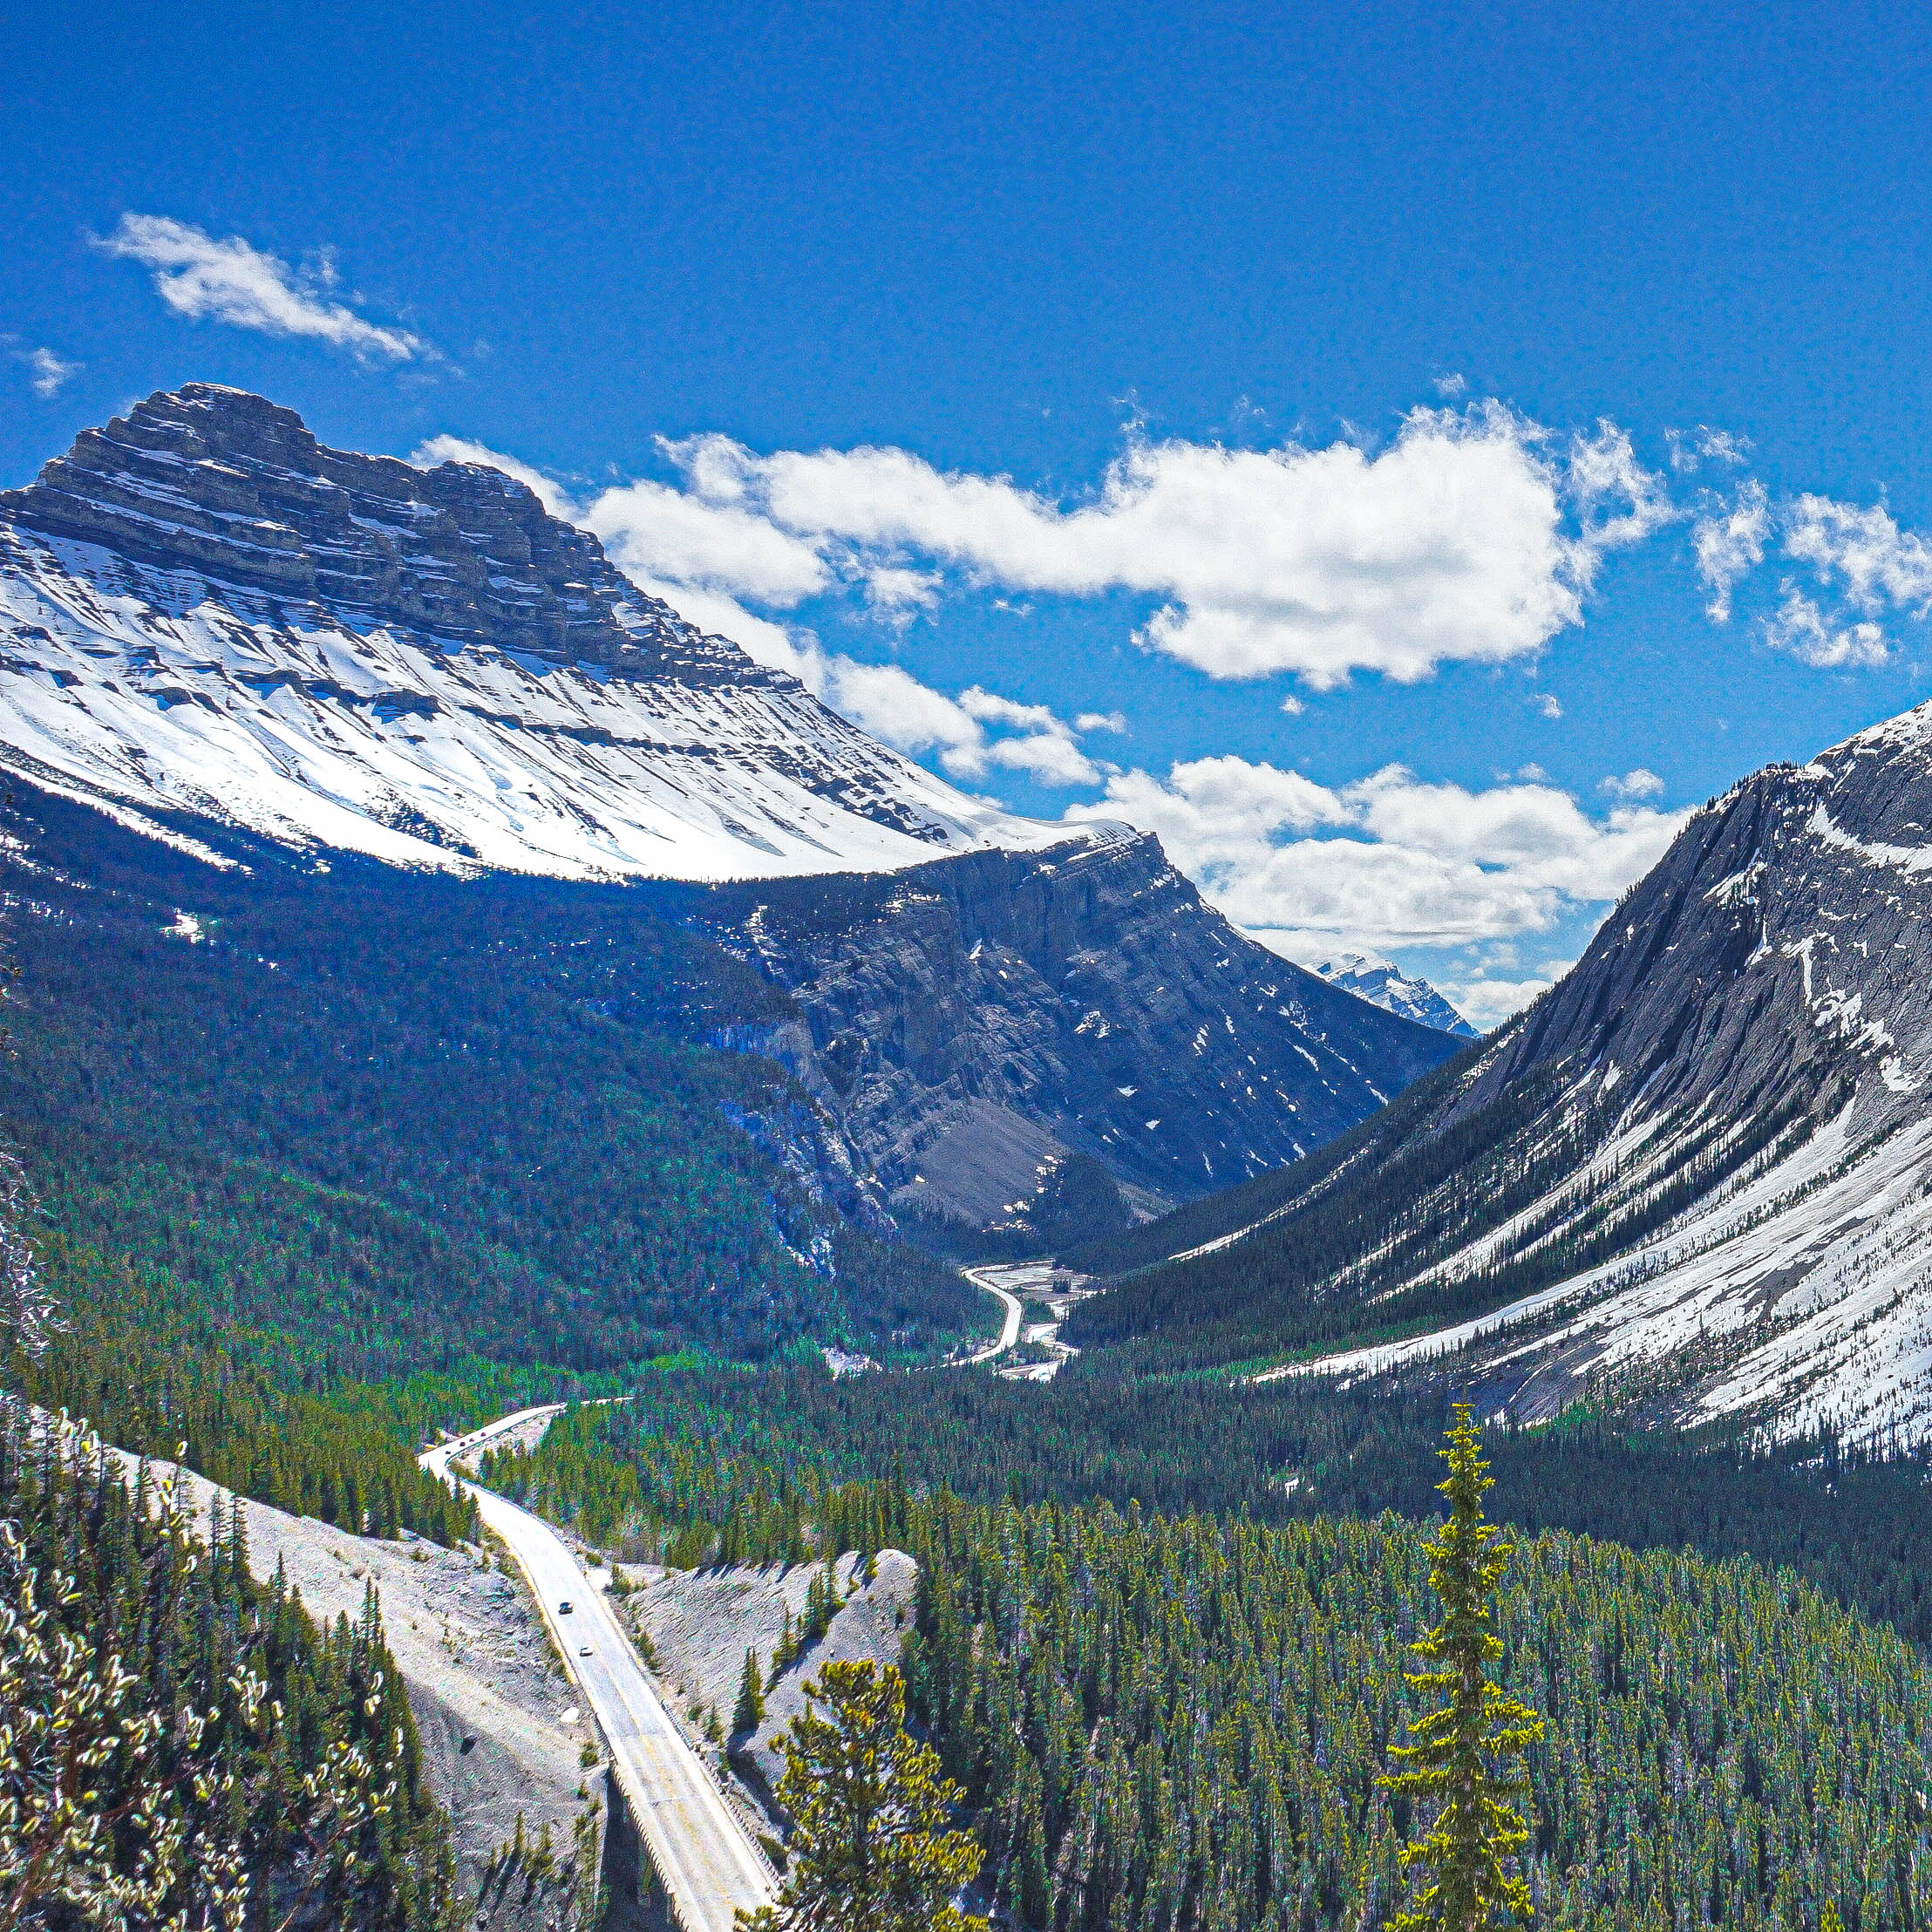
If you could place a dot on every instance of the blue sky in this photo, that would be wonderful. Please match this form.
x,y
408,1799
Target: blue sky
x,y
1323,439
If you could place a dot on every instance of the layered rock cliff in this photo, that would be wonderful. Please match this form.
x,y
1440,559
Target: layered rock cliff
x,y
203,610
978,1023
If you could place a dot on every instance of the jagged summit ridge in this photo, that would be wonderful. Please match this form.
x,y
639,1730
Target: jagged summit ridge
x,y
236,488
1383,984
206,612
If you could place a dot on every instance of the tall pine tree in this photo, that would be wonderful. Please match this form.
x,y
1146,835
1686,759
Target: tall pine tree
x,y
872,1849
750,1713
1465,1758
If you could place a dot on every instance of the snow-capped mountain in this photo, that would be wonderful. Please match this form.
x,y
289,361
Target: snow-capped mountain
x,y
1695,1179
228,636
1385,985
204,611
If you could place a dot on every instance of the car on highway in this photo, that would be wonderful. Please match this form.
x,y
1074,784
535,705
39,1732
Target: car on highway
x,y
564,1609
583,1650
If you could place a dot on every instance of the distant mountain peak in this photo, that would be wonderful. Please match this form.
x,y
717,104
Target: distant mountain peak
x,y
1385,985
206,612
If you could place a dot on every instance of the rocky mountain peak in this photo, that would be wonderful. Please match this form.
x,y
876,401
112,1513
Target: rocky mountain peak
x,y
236,488
205,611
1383,984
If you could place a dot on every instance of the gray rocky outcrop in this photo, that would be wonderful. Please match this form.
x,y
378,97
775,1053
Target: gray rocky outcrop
x,y
235,487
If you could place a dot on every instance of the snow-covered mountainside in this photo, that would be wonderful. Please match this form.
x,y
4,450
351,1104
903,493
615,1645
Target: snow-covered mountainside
x,y
1695,1179
1394,991
224,634
204,611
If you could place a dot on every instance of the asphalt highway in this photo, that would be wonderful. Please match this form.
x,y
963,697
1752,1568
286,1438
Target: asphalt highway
x,y
702,1854
1010,1332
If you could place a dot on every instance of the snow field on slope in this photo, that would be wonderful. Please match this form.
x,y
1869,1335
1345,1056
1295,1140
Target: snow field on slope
x,y
157,694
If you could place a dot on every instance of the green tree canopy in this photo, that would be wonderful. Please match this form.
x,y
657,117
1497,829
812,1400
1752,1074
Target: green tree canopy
x,y
872,1848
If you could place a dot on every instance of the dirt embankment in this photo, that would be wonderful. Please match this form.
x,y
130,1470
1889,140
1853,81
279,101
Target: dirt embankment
x,y
701,1622
501,1727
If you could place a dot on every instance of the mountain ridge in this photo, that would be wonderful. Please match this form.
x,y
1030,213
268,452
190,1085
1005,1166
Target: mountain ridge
x,y
215,630
1689,1180
203,608
1387,986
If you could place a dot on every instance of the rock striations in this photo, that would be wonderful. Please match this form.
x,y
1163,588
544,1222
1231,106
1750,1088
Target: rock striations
x,y
205,611
1695,1179
987,1028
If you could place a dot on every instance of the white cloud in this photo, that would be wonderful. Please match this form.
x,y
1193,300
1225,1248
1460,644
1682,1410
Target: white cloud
x,y
48,373
1639,784
664,534
1548,705
198,275
1621,502
1729,540
1463,539
1863,548
703,555
1800,629
1487,1000
1690,449
1856,553
1387,862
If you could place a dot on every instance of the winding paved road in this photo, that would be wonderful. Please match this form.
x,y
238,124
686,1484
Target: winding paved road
x,y
701,1852
1010,1334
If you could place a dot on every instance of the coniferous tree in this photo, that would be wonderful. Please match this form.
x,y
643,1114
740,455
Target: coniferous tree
x,y
1464,1755
750,1713
872,1848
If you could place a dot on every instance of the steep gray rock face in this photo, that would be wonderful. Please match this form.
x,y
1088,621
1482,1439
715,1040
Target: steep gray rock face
x,y
1695,1179
235,487
1777,958
979,1024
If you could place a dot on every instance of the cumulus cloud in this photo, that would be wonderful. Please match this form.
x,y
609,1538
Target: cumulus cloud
x,y
198,276
1801,629
1389,861
1487,998
710,557
1468,538
1639,784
